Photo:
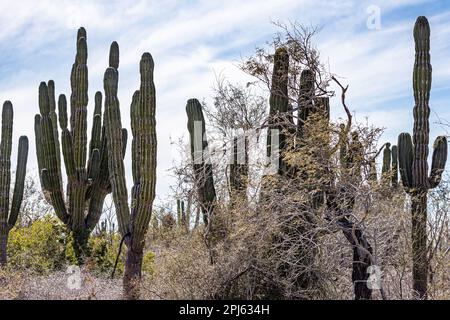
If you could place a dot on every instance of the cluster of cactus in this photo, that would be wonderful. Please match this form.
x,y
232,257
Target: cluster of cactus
x,y
87,183
389,169
413,157
133,222
9,216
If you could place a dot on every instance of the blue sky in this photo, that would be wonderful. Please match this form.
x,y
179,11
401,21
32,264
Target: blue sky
x,y
191,41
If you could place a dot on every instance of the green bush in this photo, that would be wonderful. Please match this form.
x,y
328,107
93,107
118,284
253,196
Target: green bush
x,y
104,250
41,247
45,246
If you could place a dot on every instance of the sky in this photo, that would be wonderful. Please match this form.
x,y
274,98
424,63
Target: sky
x,y
193,41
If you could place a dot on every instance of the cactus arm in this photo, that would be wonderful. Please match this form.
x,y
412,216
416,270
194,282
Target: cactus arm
x,y
306,98
53,117
81,101
394,180
116,166
73,83
386,168
141,213
66,139
439,160
422,87
279,104
136,147
5,161
405,159
21,168
51,183
94,167
95,142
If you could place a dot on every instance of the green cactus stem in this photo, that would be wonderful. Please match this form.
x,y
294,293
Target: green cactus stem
x,y
279,110
9,216
238,170
413,157
134,221
202,167
394,167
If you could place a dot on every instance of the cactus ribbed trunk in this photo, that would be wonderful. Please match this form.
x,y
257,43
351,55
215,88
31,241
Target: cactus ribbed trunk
x,y
3,245
419,243
9,216
133,223
238,171
413,157
132,274
203,171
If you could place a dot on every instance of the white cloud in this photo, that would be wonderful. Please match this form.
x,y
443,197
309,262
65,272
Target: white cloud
x,y
188,42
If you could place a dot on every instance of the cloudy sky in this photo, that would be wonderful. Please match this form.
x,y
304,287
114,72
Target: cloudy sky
x,y
191,41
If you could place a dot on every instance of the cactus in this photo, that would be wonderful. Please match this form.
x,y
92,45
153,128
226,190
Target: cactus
x,y
133,223
238,170
386,168
87,184
8,217
181,214
306,98
394,166
203,172
279,108
413,157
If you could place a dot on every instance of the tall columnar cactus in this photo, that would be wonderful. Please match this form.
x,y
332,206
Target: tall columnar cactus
x,y
306,98
133,223
203,171
279,109
394,166
8,216
181,214
413,157
238,170
386,168
87,183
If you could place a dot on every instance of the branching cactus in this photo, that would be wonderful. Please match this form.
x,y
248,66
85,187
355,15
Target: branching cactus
x,y
87,179
134,221
9,214
413,157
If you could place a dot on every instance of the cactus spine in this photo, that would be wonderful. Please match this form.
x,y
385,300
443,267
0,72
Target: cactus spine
x,y
132,224
8,217
87,183
413,154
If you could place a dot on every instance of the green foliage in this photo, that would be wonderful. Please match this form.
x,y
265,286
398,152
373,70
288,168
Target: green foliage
x,y
46,246
40,248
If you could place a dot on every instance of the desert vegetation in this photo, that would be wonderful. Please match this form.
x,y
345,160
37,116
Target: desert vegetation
x,y
273,198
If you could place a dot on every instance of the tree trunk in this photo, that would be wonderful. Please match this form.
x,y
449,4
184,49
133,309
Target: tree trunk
x,y
3,246
132,273
80,245
419,244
